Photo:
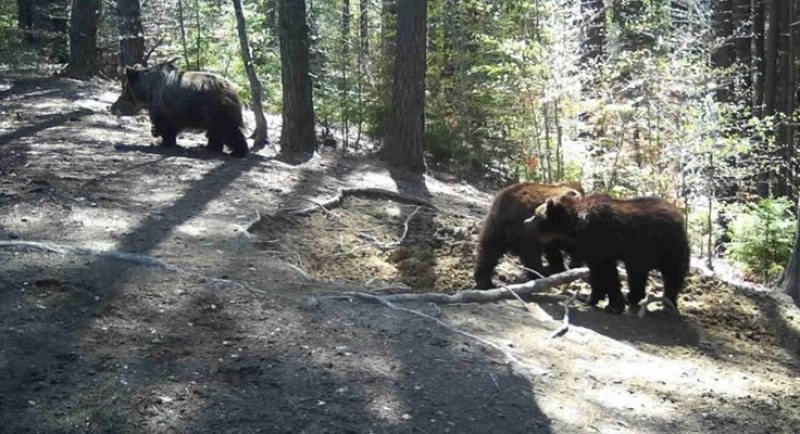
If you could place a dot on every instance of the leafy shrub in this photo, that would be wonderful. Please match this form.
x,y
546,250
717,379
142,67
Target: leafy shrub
x,y
762,237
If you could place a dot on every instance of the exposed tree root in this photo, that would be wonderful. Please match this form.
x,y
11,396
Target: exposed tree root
x,y
371,193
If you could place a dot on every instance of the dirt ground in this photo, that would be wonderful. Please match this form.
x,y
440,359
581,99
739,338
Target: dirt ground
x,y
232,331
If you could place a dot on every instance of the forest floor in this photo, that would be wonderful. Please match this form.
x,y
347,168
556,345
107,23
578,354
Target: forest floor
x,y
228,329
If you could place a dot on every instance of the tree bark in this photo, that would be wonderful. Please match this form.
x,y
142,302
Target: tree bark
x,y
387,58
404,141
182,25
790,280
771,58
83,38
742,17
44,25
758,56
25,18
260,138
298,140
725,56
271,15
131,33
594,24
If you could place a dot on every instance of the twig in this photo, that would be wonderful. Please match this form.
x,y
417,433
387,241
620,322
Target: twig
x,y
530,270
650,299
524,306
565,321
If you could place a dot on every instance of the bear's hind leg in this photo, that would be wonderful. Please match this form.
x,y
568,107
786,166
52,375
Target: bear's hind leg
x,y
673,282
489,255
555,259
604,280
215,140
637,281
236,141
530,254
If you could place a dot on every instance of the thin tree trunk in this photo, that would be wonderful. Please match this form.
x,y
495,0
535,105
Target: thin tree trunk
x,y
298,140
758,60
131,33
198,66
344,89
743,14
790,280
25,18
182,25
725,56
363,50
83,38
404,143
388,49
271,14
260,137
771,58
593,17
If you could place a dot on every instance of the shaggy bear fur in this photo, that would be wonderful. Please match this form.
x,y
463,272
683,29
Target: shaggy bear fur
x,y
503,231
179,100
644,233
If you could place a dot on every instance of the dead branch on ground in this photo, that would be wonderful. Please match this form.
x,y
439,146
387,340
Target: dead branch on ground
x,y
485,296
565,321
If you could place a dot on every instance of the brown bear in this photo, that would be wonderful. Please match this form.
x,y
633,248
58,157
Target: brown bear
x,y
644,233
178,100
503,231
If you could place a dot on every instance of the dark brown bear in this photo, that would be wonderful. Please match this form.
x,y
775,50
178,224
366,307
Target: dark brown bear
x,y
179,100
503,231
645,233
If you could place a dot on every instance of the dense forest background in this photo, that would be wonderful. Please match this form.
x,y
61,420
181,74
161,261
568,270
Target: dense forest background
x,y
693,100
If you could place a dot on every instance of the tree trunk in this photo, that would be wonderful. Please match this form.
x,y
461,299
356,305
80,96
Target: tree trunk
x,y
344,87
363,50
83,38
744,39
771,58
790,280
785,105
758,60
725,56
363,21
594,24
260,138
297,132
404,141
25,18
182,25
45,25
271,14
131,34
388,35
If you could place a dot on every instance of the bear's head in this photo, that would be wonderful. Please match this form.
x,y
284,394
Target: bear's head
x,y
555,219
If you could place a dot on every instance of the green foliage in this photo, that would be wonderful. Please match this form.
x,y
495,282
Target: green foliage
x,y
763,236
